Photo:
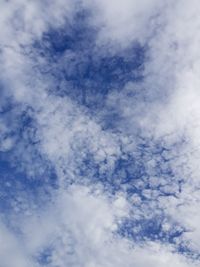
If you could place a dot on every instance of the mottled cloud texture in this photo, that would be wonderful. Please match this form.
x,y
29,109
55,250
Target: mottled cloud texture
x,y
99,133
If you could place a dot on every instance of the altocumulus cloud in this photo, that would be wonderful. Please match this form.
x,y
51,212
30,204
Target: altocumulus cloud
x,y
99,133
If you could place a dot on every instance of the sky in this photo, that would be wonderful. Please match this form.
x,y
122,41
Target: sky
x,y
99,133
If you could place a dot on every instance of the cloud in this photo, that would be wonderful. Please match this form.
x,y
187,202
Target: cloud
x,y
78,229
11,252
126,176
124,22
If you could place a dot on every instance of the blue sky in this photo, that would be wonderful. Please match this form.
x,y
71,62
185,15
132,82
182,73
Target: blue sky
x,y
99,133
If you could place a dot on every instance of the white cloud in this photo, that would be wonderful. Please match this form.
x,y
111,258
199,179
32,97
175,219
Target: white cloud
x,y
78,230
123,22
77,225
11,251
24,21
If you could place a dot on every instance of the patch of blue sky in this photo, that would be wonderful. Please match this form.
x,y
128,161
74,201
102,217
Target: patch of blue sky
x,y
16,185
24,171
145,230
81,69
44,257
